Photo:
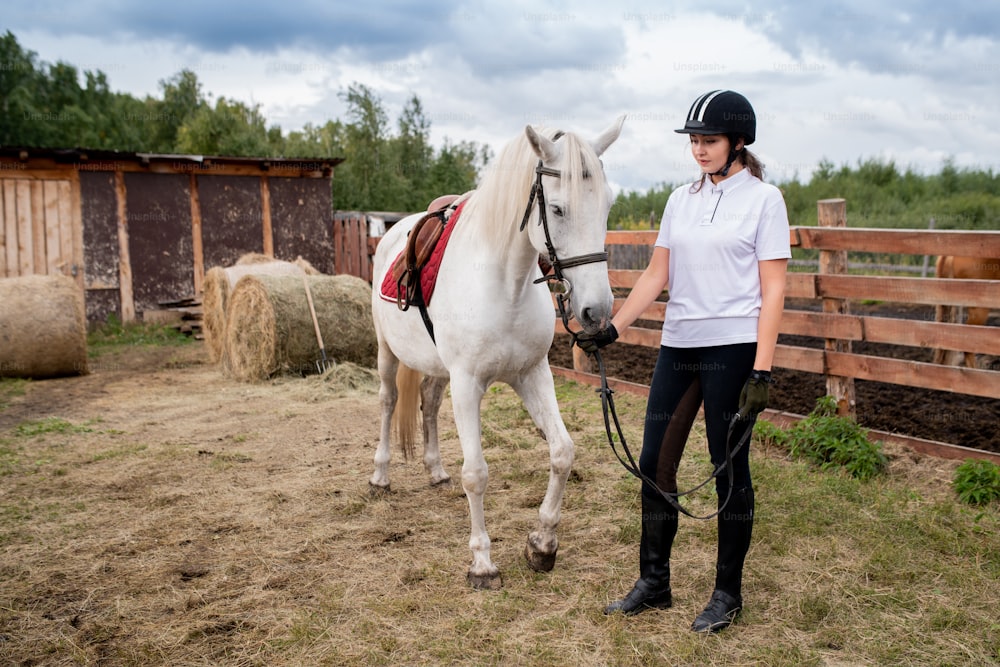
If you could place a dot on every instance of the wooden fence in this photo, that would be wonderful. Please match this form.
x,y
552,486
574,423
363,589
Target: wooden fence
x,y
836,289
832,289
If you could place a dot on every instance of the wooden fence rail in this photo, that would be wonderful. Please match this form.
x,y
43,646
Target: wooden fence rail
x,y
832,290
845,327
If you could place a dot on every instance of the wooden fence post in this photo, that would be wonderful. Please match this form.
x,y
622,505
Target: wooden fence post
x,y
124,256
833,213
197,238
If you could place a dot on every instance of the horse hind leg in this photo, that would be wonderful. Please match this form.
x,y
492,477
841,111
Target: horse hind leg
x,y
388,395
537,391
431,395
976,316
942,313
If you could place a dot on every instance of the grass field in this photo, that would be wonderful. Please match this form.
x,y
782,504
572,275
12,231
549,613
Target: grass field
x,y
155,513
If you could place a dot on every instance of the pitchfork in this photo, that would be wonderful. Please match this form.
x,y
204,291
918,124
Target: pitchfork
x,y
322,364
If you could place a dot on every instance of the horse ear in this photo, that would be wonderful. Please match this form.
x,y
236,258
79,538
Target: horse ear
x,y
609,136
543,147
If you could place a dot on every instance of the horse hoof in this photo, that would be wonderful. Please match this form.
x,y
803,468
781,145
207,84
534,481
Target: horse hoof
x,y
485,582
441,483
538,559
376,491
539,562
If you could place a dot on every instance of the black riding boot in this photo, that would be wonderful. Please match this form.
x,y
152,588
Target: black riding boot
x,y
735,529
652,590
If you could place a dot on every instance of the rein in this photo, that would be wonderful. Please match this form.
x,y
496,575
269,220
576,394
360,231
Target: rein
x,y
629,462
625,457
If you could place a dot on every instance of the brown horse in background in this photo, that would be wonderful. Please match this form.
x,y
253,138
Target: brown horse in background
x,y
969,268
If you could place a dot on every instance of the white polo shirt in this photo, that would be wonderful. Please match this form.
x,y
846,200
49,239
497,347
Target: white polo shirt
x,y
716,236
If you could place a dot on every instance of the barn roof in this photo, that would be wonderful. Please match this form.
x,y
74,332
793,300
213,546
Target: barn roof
x,y
87,159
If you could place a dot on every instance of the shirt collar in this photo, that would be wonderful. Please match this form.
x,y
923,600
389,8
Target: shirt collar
x,y
734,181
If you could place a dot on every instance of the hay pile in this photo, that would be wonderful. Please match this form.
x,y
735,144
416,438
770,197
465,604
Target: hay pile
x,y
43,329
269,329
258,258
219,282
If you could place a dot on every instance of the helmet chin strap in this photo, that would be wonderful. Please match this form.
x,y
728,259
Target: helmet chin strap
x,y
733,154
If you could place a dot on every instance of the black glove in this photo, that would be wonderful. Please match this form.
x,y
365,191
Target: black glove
x,y
753,398
591,343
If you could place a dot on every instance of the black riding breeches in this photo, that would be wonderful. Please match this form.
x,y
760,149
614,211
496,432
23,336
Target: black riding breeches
x,y
683,379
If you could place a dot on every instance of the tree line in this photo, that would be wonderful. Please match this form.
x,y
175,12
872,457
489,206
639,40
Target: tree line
x,y
878,192
395,168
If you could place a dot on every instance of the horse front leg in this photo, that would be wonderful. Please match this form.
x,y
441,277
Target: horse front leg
x,y
537,390
388,364
431,395
466,397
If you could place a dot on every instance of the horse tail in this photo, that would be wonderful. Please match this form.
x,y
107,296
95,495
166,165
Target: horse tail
x,y
405,418
944,266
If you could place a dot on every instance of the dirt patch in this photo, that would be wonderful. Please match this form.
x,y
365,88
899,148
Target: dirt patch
x,y
934,415
170,483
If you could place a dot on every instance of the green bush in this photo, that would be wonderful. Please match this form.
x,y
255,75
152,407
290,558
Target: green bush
x,y
977,482
769,434
829,441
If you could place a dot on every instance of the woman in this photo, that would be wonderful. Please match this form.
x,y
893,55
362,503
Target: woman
x,y
722,252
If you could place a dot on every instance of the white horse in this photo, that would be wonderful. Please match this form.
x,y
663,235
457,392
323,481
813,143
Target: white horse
x,y
493,322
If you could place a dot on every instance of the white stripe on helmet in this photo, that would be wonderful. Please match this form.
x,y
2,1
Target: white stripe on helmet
x,y
701,106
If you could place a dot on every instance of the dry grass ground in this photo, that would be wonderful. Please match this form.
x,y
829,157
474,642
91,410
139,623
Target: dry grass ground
x,y
155,513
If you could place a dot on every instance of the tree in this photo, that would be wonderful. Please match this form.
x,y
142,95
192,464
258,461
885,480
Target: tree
x,y
413,156
456,167
182,100
231,128
364,179
18,82
635,210
323,141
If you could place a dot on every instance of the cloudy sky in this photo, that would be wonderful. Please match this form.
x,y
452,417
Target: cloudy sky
x,y
916,82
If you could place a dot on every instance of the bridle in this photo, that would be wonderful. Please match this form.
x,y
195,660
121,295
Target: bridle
x,y
558,265
625,457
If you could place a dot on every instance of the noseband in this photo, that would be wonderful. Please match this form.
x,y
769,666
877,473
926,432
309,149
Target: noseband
x,y
538,194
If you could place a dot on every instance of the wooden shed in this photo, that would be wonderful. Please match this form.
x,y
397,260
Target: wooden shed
x,y
138,230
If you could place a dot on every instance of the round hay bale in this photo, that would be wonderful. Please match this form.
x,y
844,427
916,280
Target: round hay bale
x,y
253,258
43,329
307,266
216,287
215,293
270,329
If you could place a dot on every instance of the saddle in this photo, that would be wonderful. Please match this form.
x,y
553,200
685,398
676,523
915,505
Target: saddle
x,y
420,245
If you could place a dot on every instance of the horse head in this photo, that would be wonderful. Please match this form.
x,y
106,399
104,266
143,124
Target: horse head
x,y
571,223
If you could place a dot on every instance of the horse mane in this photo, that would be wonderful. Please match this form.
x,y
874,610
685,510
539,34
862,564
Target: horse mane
x,y
498,204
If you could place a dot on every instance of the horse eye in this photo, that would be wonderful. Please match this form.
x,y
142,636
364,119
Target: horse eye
x,y
557,210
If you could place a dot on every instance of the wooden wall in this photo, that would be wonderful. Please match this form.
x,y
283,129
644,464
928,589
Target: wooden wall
x,y
40,225
138,231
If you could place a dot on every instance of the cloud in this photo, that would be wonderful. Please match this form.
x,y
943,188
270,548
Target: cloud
x,y
526,38
384,30
896,38
914,82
